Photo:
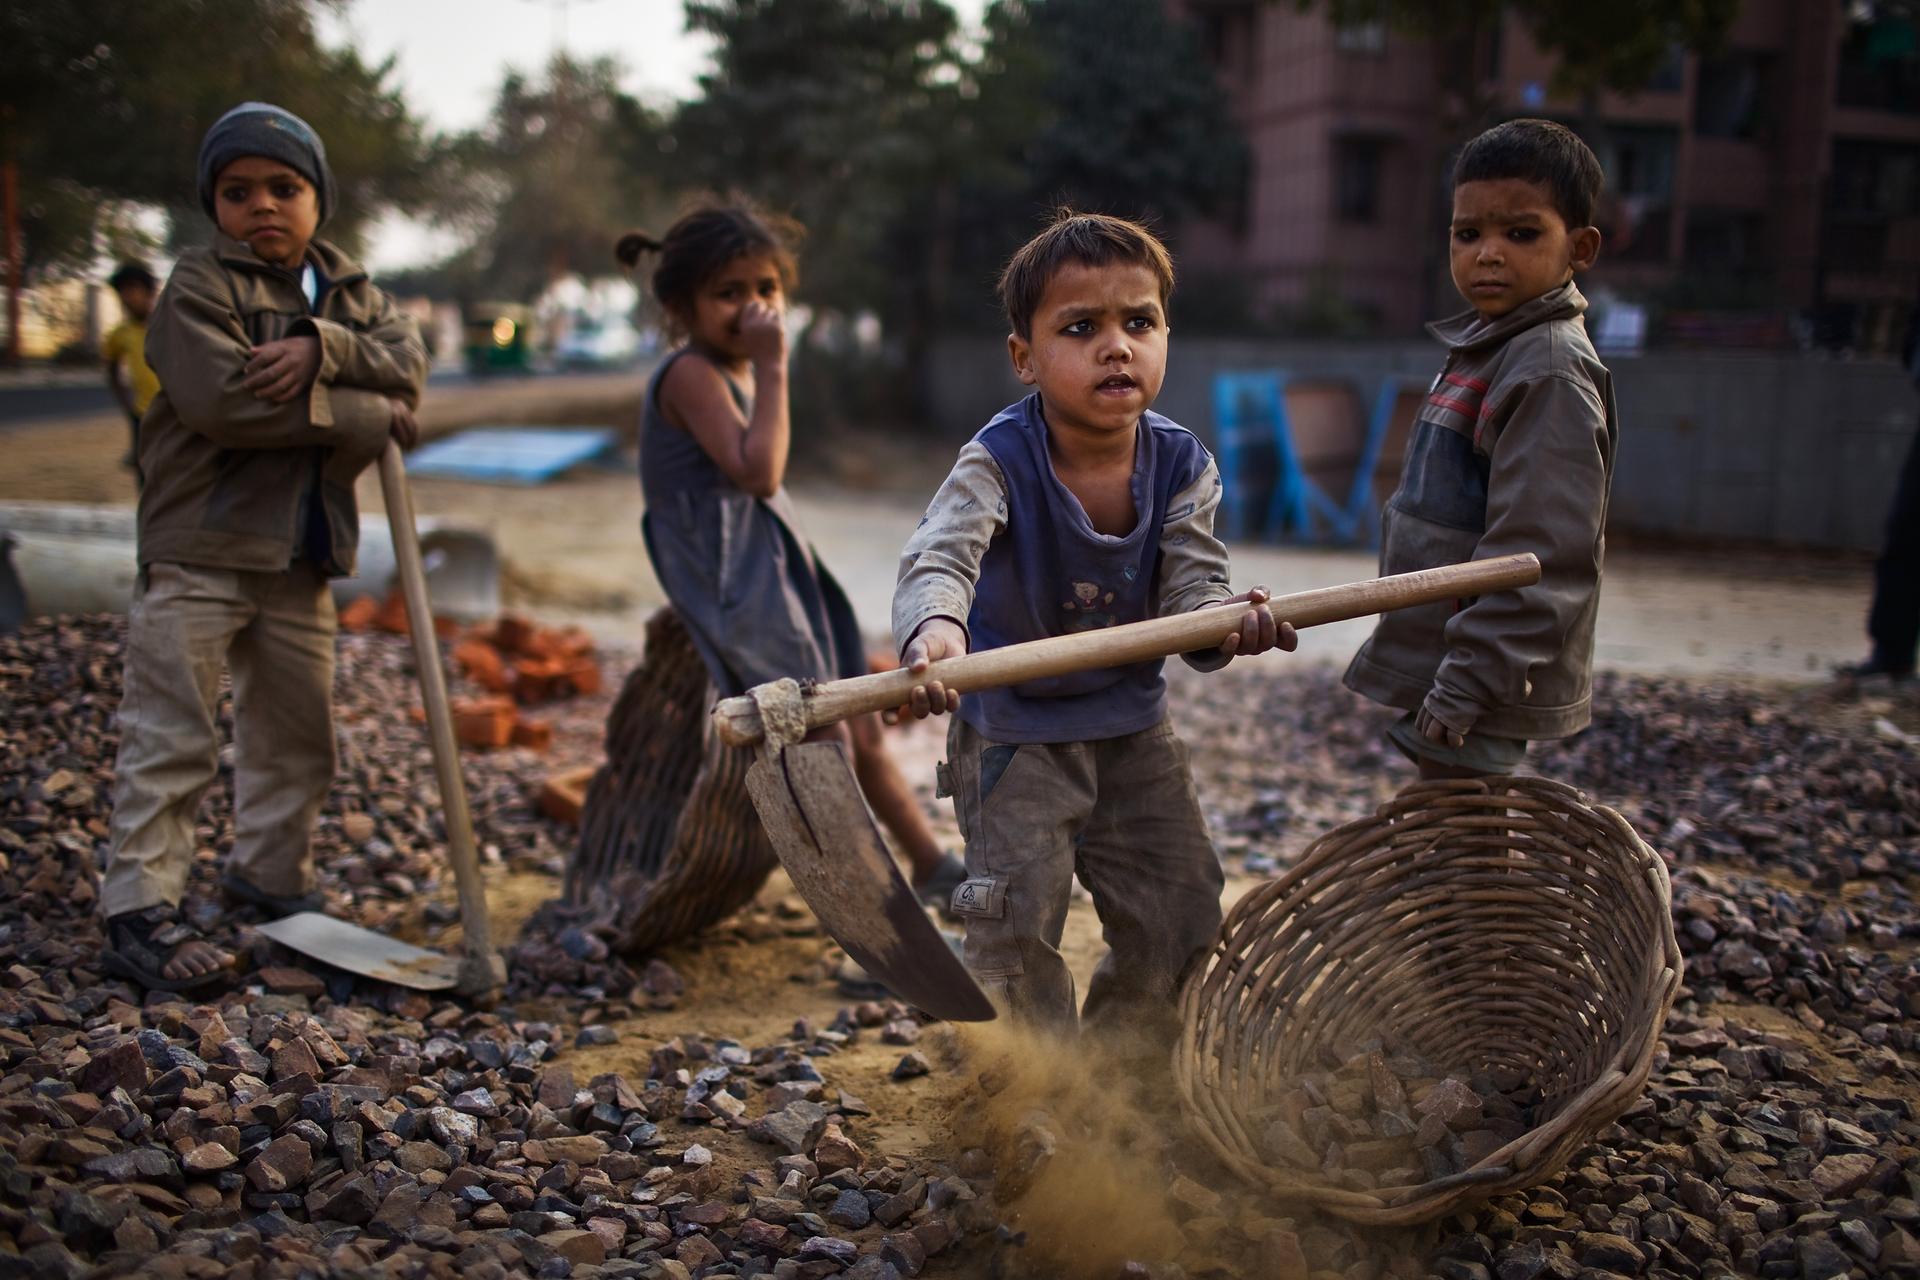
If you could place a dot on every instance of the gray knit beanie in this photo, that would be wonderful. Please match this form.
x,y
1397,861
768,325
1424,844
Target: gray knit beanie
x,y
262,129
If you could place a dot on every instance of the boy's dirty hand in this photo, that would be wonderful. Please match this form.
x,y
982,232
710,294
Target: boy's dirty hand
x,y
936,639
279,371
1258,632
1433,729
763,332
403,426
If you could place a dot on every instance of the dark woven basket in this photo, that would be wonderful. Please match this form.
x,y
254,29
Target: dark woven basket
x,y
669,841
1503,925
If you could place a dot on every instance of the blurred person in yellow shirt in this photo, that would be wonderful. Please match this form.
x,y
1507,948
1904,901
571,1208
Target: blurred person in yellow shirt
x,y
131,380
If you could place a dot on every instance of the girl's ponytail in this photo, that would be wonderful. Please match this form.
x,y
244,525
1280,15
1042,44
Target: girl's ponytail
x,y
632,245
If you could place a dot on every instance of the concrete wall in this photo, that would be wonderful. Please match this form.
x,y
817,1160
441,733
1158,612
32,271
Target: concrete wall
x,y
1769,448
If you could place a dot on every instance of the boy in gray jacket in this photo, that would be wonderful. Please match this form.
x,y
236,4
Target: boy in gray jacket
x,y
1512,451
283,370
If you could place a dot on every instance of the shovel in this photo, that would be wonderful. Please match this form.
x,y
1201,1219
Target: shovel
x,y
826,837
479,968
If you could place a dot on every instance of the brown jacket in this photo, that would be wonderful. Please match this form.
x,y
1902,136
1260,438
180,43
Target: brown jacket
x,y
1512,451
231,481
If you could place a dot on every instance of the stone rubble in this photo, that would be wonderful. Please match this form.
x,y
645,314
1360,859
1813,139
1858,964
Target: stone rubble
x,y
303,1124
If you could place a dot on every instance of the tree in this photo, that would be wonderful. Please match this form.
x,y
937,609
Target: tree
x,y
919,163
830,110
563,166
1130,122
103,104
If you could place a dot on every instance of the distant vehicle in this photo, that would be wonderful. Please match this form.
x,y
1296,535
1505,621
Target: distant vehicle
x,y
498,338
598,344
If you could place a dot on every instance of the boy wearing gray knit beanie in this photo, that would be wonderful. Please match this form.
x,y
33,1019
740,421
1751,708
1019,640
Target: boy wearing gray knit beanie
x,y
283,373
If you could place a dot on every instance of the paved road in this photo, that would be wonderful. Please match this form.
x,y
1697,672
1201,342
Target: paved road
x,y
27,404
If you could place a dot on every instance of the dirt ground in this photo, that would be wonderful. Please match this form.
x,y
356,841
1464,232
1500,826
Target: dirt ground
x,y
753,992
572,553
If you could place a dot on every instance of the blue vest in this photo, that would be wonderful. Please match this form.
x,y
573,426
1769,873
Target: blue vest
x,y
1049,573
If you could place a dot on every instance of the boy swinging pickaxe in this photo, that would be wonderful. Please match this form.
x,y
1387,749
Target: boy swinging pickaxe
x,y
826,838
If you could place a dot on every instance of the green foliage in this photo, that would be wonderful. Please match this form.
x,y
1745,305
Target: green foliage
x,y
834,111
103,103
1620,46
1108,106
1131,118
563,166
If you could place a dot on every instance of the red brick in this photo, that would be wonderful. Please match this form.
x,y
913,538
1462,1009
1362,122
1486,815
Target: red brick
x,y
512,633
481,663
584,675
359,614
564,795
536,735
483,722
393,615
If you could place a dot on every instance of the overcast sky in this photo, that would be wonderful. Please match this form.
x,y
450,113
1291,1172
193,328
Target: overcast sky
x,y
451,55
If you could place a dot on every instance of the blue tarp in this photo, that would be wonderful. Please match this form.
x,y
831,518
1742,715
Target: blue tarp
x,y
511,455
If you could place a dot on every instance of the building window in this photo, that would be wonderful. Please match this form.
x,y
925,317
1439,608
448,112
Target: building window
x,y
1356,179
1879,59
1728,99
1227,36
1880,178
1872,185
1671,75
1639,168
1723,240
1368,36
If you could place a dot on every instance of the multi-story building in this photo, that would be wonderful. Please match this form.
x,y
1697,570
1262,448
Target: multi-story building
x,y
1777,175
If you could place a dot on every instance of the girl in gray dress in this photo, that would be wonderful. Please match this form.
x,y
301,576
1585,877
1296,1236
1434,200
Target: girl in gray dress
x,y
714,436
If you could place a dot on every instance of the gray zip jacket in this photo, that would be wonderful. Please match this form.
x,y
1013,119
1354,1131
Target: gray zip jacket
x,y
1512,451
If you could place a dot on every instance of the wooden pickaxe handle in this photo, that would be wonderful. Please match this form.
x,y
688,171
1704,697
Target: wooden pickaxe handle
x,y
737,720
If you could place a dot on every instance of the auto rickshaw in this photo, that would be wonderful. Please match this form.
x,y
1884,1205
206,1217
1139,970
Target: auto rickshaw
x,y
498,338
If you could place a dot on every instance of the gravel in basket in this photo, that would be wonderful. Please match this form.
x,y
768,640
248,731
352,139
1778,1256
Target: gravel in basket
x,y
1437,1004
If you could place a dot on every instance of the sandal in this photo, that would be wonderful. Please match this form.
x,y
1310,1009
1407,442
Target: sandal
x,y
141,943
253,895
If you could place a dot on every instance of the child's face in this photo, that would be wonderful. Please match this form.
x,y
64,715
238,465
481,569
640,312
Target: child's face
x,y
717,306
1099,347
1510,245
136,300
268,205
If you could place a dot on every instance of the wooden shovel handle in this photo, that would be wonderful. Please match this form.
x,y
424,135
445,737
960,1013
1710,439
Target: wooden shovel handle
x,y
737,720
481,969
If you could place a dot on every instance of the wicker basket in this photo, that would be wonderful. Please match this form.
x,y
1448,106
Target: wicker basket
x,y
669,841
1501,925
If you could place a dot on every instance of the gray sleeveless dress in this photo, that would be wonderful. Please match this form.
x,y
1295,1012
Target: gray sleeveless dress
x,y
755,597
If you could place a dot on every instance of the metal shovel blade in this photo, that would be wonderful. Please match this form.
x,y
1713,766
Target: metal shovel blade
x,y
362,951
826,838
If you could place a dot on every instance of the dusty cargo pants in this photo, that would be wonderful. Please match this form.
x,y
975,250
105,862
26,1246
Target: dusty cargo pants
x,y
275,632
1122,814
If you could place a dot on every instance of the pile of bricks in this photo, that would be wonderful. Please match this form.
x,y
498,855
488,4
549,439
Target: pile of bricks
x,y
364,613
517,663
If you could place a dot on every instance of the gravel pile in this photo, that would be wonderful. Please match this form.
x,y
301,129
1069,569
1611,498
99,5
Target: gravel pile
x,y
301,1124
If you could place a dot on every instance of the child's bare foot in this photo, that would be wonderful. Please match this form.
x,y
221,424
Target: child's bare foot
x,y
158,950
